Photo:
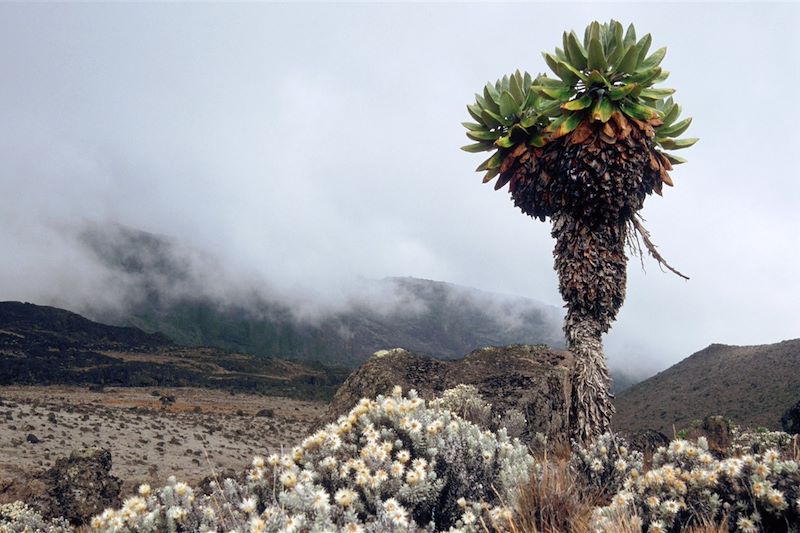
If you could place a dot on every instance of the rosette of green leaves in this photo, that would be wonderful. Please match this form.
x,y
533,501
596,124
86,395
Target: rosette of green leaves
x,y
610,70
507,114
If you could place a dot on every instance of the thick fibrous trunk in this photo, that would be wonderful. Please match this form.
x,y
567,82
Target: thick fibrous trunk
x,y
590,261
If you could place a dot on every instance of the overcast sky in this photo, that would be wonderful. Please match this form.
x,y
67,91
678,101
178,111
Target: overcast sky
x,y
312,144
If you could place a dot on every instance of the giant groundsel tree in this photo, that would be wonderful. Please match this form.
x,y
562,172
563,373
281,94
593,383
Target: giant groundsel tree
x,y
585,148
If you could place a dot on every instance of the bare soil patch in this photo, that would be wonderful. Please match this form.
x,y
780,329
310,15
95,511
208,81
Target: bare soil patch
x,y
200,433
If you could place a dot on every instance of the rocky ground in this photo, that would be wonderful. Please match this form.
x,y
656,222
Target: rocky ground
x,y
151,433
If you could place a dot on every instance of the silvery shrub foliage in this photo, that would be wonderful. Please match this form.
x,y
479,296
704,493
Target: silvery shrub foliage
x,y
467,402
761,440
19,518
605,464
393,464
756,492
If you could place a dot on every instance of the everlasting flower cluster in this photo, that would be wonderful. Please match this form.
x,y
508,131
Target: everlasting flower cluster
x,y
392,464
605,464
19,518
466,402
686,484
759,441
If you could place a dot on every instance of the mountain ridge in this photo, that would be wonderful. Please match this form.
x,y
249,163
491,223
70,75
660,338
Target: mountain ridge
x,y
752,385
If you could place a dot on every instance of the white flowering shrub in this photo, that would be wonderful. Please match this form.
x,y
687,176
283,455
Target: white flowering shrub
x,y
466,402
392,464
761,440
605,464
19,518
688,485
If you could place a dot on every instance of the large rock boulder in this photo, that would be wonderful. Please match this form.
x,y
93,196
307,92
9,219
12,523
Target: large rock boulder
x,y
532,380
76,487
790,421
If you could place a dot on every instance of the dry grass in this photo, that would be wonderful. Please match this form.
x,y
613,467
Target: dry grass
x,y
554,501
710,527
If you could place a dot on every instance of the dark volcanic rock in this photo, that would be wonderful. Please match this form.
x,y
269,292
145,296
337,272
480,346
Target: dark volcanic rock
x,y
718,431
790,421
648,441
81,485
76,488
534,380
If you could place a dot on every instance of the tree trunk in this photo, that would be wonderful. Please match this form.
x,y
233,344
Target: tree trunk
x,y
591,262
590,409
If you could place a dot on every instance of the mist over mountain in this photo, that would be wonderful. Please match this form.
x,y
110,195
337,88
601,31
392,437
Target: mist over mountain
x,y
166,287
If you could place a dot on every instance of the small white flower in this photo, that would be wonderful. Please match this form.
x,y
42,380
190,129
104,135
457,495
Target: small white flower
x,y
746,525
288,479
468,517
249,505
345,497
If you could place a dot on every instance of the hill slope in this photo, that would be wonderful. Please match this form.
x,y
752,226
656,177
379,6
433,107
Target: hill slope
x,y
45,345
168,291
753,385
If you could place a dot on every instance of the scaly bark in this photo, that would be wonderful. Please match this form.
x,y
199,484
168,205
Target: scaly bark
x,y
590,262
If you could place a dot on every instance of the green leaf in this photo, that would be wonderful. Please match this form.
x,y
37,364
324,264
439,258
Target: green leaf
x,y
493,162
618,93
504,142
597,77
656,94
602,110
551,109
488,100
515,88
576,52
674,159
581,103
500,120
475,112
644,46
562,94
537,140
552,62
488,118
578,73
483,135
638,111
678,144
655,59
619,46
471,126
530,99
676,129
508,106
492,172
529,121
477,147
645,77
627,64
672,114
661,77
630,36
566,74
569,124
597,59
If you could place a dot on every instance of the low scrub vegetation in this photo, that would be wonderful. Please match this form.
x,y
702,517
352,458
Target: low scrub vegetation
x,y
400,464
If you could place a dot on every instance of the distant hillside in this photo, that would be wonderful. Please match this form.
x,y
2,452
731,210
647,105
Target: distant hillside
x,y
753,385
45,345
166,293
